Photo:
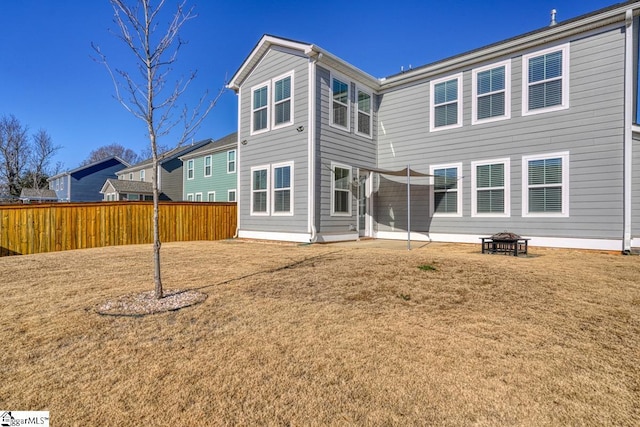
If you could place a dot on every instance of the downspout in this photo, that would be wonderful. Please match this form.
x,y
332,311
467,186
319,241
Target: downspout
x,y
628,125
311,134
238,157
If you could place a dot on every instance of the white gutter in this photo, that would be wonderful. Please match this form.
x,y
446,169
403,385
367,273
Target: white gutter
x,y
238,157
311,135
628,128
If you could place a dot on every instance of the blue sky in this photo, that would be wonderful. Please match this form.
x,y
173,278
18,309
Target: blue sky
x,y
48,79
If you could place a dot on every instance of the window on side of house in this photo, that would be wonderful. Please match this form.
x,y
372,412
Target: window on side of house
x,y
198,197
341,191
282,97
490,194
231,161
364,113
491,89
340,110
260,109
447,190
260,190
545,80
282,188
190,197
142,175
190,170
211,196
130,176
207,166
546,185
231,195
446,103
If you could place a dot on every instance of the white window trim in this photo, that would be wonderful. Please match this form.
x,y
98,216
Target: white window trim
x,y
209,193
507,188
432,109
507,92
189,197
273,189
253,169
198,195
357,110
142,175
235,161
252,109
235,194
191,168
204,164
343,79
565,80
273,100
564,155
130,176
333,188
432,207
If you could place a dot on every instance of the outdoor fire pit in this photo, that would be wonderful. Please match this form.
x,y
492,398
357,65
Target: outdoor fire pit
x,y
505,243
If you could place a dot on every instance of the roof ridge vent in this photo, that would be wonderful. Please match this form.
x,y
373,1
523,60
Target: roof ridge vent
x,y
553,17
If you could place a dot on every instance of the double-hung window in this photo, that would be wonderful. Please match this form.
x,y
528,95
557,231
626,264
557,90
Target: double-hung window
x,y
282,101
207,166
490,194
364,113
142,173
545,185
446,103
190,170
260,109
545,80
491,88
231,195
282,190
341,190
211,196
231,161
447,190
340,103
260,190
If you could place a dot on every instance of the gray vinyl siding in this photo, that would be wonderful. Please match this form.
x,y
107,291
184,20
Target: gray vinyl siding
x,y
285,144
344,147
171,180
85,185
591,130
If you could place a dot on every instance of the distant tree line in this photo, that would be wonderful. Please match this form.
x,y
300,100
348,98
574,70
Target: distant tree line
x,y
25,160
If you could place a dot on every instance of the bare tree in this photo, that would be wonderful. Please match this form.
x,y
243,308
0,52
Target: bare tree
x,y
14,152
144,89
42,152
126,154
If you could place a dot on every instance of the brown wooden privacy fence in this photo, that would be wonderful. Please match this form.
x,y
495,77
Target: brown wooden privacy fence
x,y
30,229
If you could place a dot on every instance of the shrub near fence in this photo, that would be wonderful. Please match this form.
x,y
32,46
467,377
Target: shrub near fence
x,y
30,229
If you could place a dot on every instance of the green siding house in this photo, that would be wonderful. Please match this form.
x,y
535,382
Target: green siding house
x,y
210,171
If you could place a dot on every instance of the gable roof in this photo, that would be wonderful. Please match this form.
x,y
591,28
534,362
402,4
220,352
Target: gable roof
x,y
169,155
109,159
126,186
224,143
38,194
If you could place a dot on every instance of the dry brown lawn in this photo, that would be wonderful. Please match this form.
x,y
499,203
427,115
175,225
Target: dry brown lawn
x,y
325,335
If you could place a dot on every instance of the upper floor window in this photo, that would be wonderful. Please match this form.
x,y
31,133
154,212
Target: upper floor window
x,y
142,174
545,185
490,194
207,166
260,109
61,183
282,101
341,190
545,80
190,173
364,113
446,103
491,89
340,103
447,190
211,196
130,176
231,161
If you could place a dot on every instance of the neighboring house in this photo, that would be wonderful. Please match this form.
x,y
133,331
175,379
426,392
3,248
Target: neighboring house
x,y
536,135
38,195
83,184
169,176
119,189
210,171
